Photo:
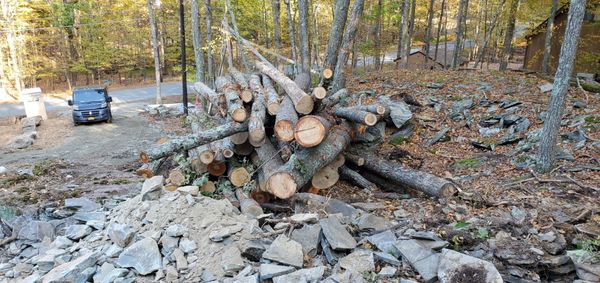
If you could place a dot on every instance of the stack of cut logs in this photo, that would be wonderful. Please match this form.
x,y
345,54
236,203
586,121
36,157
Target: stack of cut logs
x,y
295,139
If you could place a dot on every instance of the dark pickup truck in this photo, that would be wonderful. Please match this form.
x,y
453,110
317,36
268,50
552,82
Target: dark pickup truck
x,y
91,104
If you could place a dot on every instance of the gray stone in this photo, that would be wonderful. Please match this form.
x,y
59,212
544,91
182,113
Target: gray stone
x,y
86,275
244,272
308,237
370,222
453,264
401,213
548,237
336,234
387,272
268,271
302,275
247,279
555,261
579,104
187,245
522,125
518,215
304,217
231,260
33,278
422,259
169,244
384,241
89,216
82,204
172,274
113,251
546,87
219,235
68,272
152,188
36,231
142,255
22,141
399,111
189,190
98,225
369,206
78,231
176,230
359,261
254,249
108,273
387,258
286,251
488,132
557,246
4,267
23,268
120,234
439,135
180,259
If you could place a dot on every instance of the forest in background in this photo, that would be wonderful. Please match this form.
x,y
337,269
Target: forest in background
x,y
57,44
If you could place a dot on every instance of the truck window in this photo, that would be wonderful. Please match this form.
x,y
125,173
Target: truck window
x,y
93,95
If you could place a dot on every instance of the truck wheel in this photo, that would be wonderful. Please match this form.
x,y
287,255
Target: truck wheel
x,y
109,119
75,124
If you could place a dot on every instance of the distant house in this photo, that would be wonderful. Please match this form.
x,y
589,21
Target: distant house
x,y
588,50
417,58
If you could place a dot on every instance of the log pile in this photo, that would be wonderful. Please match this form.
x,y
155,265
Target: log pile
x,y
274,136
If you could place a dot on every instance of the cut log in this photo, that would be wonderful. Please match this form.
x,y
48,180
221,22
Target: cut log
x,y
297,172
375,109
272,96
218,167
208,187
240,79
260,196
191,141
285,150
176,177
256,127
338,161
149,170
215,105
238,176
235,108
356,178
239,138
248,206
325,178
319,92
359,161
198,166
207,156
302,80
327,73
268,161
383,183
227,147
356,115
285,120
334,99
244,149
303,103
417,180
311,130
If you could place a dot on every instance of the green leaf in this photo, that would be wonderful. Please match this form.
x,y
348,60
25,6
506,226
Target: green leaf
x,y
461,224
483,233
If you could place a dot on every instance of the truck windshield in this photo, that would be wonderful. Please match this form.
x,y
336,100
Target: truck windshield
x,y
92,95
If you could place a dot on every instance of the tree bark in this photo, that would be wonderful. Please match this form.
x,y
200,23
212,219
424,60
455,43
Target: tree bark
x,y
411,28
299,170
303,103
311,130
354,114
459,34
439,28
337,33
356,178
268,161
285,120
209,58
548,37
240,79
265,24
405,36
155,51
272,96
303,32
332,100
488,34
378,35
235,107
547,153
428,32
9,10
248,206
349,35
429,184
292,34
197,41
191,141
508,36
256,125
275,7
215,105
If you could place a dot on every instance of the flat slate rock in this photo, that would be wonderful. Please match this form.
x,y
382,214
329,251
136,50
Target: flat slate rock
x,y
359,261
308,237
336,234
232,261
302,275
453,265
142,255
82,204
152,188
268,270
286,251
422,259
70,271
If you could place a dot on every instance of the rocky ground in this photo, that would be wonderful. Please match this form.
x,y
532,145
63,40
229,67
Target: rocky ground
x,y
478,129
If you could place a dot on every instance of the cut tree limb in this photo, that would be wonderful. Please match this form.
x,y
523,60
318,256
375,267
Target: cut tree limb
x,y
286,120
298,171
375,109
239,138
214,99
311,130
325,178
268,160
191,141
248,206
332,100
240,79
303,103
272,96
319,92
238,176
354,114
356,178
235,107
256,124
421,181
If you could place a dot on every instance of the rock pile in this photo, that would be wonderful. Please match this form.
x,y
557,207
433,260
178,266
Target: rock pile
x,y
29,134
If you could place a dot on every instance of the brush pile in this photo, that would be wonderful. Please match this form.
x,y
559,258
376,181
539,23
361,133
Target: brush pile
x,y
275,136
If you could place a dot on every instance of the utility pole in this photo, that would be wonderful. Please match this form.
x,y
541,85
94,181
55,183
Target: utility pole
x,y
183,67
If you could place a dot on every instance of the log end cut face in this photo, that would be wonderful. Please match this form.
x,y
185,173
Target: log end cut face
x,y
246,96
144,158
217,168
319,92
281,185
239,115
310,131
370,119
273,108
305,105
327,73
207,156
239,177
284,130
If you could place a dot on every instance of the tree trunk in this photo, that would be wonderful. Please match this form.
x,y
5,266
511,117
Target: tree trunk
x,y
315,37
272,96
349,35
197,41
405,36
248,206
256,125
421,181
235,107
214,105
275,6
510,30
292,34
488,34
311,130
428,32
568,52
303,32
354,114
299,170
356,178
456,59
337,33
302,101
548,37
240,79
209,58
267,161
332,100
265,24
238,176
155,50
188,142
411,28
378,35
286,120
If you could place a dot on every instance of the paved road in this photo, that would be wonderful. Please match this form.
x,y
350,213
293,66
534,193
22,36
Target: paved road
x,y
119,96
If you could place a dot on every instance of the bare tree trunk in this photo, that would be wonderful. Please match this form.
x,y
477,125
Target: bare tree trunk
x,y
265,24
237,32
439,27
401,4
428,32
377,35
303,32
155,50
209,57
197,41
411,29
510,31
548,38
459,34
488,34
292,34
349,35
275,7
9,9
337,32
568,51
315,35
405,35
